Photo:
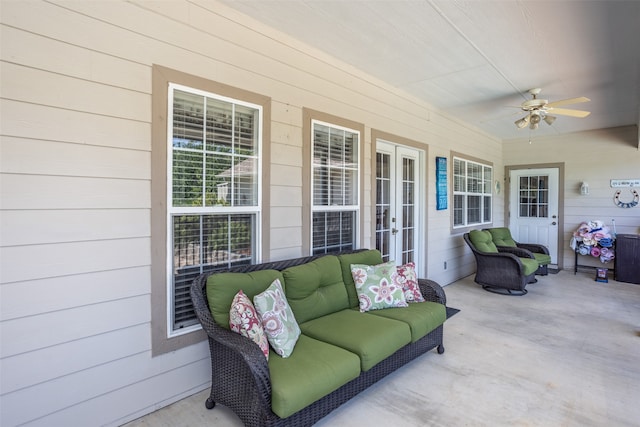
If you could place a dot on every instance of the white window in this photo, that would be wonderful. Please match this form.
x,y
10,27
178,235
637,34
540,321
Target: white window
x,y
213,186
472,193
335,188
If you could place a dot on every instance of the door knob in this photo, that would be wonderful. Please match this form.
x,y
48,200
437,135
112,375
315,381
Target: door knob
x,y
553,223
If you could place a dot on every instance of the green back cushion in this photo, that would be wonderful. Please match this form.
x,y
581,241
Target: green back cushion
x,y
482,241
316,288
222,287
502,237
369,257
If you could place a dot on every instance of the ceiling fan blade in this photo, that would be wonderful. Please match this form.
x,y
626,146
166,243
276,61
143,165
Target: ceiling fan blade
x,y
568,112
568,101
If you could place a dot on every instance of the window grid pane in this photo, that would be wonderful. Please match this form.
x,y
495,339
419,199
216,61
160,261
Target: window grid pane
x,y
214,147
473,197
335,183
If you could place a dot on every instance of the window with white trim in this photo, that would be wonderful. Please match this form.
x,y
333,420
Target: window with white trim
x,y
472,193
335,188
213,189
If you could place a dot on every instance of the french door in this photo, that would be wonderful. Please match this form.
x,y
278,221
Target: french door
x,y
399,218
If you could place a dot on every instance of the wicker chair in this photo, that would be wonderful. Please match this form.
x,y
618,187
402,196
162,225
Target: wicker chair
x,y
503,240
506,273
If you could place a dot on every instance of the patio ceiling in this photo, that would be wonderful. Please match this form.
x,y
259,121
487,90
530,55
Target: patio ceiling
x,y
476,60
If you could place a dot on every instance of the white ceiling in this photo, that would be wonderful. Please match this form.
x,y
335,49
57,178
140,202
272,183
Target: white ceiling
x,y
476,59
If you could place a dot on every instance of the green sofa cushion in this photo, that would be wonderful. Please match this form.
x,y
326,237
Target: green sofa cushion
x,y
369,257
221,288
422,317
313,370
530,265
482,241
316,288
372,338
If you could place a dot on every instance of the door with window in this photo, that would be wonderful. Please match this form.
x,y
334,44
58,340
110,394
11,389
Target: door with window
x,y
399,221
534,207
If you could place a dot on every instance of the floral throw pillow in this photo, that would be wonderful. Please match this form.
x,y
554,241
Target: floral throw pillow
x,y
376,286
407,279
277,319
244,320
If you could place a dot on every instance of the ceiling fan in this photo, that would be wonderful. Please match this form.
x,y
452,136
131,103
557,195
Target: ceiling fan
x,y
538,110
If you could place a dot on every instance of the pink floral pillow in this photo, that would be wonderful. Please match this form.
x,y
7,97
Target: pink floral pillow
x,y
376,286
278,320
244,320
408,281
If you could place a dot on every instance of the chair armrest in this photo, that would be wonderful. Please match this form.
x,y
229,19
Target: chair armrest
x,y
534,247
233,352
518,251
432,291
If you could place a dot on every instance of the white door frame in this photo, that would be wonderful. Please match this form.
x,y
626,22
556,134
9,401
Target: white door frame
x,y
560,193
397,153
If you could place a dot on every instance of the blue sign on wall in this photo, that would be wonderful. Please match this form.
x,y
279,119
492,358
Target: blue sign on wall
x,y
441,183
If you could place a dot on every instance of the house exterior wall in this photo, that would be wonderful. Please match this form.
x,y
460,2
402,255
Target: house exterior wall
x,y
75,153
596,157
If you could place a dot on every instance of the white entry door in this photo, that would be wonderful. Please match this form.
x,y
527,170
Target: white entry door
x,y
399,220
534,208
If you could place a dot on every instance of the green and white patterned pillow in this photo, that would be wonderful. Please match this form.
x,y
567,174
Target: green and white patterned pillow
x,y
376,286
278,321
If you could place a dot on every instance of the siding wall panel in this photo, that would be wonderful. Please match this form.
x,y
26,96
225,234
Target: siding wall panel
x,y
76,170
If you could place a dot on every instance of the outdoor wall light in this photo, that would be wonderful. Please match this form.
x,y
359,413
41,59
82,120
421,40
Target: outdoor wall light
x,y
584,188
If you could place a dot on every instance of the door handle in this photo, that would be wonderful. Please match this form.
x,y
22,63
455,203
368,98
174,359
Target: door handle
x,y
394,231
553,223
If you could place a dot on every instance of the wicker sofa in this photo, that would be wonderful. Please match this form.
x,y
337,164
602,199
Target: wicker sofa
x,y
338,354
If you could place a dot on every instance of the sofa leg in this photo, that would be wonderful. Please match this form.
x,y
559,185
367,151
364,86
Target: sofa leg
x,y
210,403
440,349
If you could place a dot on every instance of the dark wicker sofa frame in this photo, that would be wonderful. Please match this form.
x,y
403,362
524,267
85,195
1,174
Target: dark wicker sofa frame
x,y
501,272
240,374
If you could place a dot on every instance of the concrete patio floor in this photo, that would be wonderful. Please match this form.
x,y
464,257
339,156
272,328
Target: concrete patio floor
x,y
565,354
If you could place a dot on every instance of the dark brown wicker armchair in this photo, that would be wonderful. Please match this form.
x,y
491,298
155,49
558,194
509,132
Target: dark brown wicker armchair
x,y
500,272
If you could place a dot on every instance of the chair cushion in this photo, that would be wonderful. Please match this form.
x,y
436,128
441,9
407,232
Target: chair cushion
x,y
372,338
316,288
542,259
422,317
502,237
482,241
530,265
313,370
369,257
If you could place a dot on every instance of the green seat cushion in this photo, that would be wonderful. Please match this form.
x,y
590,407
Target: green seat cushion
x,y
481,240
313,370
221,288
530,265
368,257
542,259
316,288
422,317
502,237
372,338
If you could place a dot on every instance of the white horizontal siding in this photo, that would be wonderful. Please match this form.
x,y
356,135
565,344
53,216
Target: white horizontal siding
x,y
75,162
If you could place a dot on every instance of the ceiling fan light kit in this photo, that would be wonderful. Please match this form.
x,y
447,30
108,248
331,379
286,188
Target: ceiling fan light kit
x,y
538,109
